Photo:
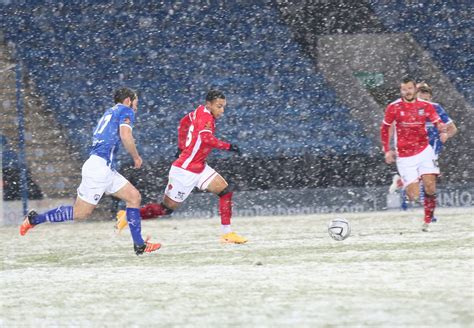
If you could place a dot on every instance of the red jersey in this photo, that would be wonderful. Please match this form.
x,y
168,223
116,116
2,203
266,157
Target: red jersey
x,y
196,140
410,125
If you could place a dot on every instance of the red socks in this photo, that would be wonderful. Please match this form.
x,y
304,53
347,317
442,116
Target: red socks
x,y
225,208
153,210
430,205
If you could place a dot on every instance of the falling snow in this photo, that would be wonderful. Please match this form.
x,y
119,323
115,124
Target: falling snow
x,y
306,83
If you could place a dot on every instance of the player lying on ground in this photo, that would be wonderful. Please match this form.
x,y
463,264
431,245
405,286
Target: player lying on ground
x,y
196,140
99,174
415,158
424,92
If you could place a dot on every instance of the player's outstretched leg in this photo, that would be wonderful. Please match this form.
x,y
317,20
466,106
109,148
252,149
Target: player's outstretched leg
x,y
413,193
403,200
430,205
147,247
27,225
154,210
134,222
149,211
422,191
429,182
225,210
132,197
121,221
59,214
422,199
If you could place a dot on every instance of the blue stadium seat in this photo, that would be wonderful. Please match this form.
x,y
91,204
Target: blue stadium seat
x,y
278,103
443,27
9,156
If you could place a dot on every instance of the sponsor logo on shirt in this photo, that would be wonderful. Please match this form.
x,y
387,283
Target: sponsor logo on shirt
x,y
421,112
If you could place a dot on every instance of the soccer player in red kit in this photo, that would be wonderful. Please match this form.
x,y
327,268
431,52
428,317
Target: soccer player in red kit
x,y
414,157
196,140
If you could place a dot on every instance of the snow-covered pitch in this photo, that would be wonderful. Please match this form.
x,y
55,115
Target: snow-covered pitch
x,y
387,273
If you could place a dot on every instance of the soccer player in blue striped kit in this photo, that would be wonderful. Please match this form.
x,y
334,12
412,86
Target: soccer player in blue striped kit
x,y
99,174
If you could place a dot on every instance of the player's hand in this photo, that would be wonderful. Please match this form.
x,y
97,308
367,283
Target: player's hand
x,y
442,127
236,149
443,136
390,157
138,162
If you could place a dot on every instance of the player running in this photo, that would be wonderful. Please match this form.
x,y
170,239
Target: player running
x,y
196,140
415,157
424,92
99,174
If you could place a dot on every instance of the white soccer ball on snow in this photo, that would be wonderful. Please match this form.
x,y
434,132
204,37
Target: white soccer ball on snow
x,y
339,229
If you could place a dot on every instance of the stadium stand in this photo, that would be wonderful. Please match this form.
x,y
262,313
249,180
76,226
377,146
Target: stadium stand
x,y
313,23
77,53
11,172
442,27
281,110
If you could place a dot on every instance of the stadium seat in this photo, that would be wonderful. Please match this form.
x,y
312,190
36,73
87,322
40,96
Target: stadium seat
x,y
278,103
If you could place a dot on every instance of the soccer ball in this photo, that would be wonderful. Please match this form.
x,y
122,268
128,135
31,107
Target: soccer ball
x,y
339,229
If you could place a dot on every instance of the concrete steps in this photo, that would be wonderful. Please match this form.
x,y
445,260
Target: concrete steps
x,y
53,166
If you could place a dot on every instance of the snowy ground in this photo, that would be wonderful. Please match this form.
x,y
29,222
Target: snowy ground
x,y
388,273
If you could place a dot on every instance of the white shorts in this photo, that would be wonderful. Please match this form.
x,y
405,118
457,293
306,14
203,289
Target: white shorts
x,y
182,182
98,178
413,167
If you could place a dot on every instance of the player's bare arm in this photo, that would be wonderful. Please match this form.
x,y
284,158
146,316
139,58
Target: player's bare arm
x,y
442,128
425,92
390,157
386,131
190,169
99,174
129,144
451,129
448,132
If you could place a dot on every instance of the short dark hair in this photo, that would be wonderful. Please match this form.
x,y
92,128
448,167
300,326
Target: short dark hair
x,y
425,87
408,79
123,93
214,94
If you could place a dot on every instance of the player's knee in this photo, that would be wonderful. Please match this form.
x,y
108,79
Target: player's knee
x,y
169,204
429,184
80,216
135,198
81,213
226,190
412,195
167,209
413,191
430,190
429,195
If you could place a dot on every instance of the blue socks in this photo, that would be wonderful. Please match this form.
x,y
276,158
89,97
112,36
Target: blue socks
x,y
403,198
65,213
60,214
135,225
